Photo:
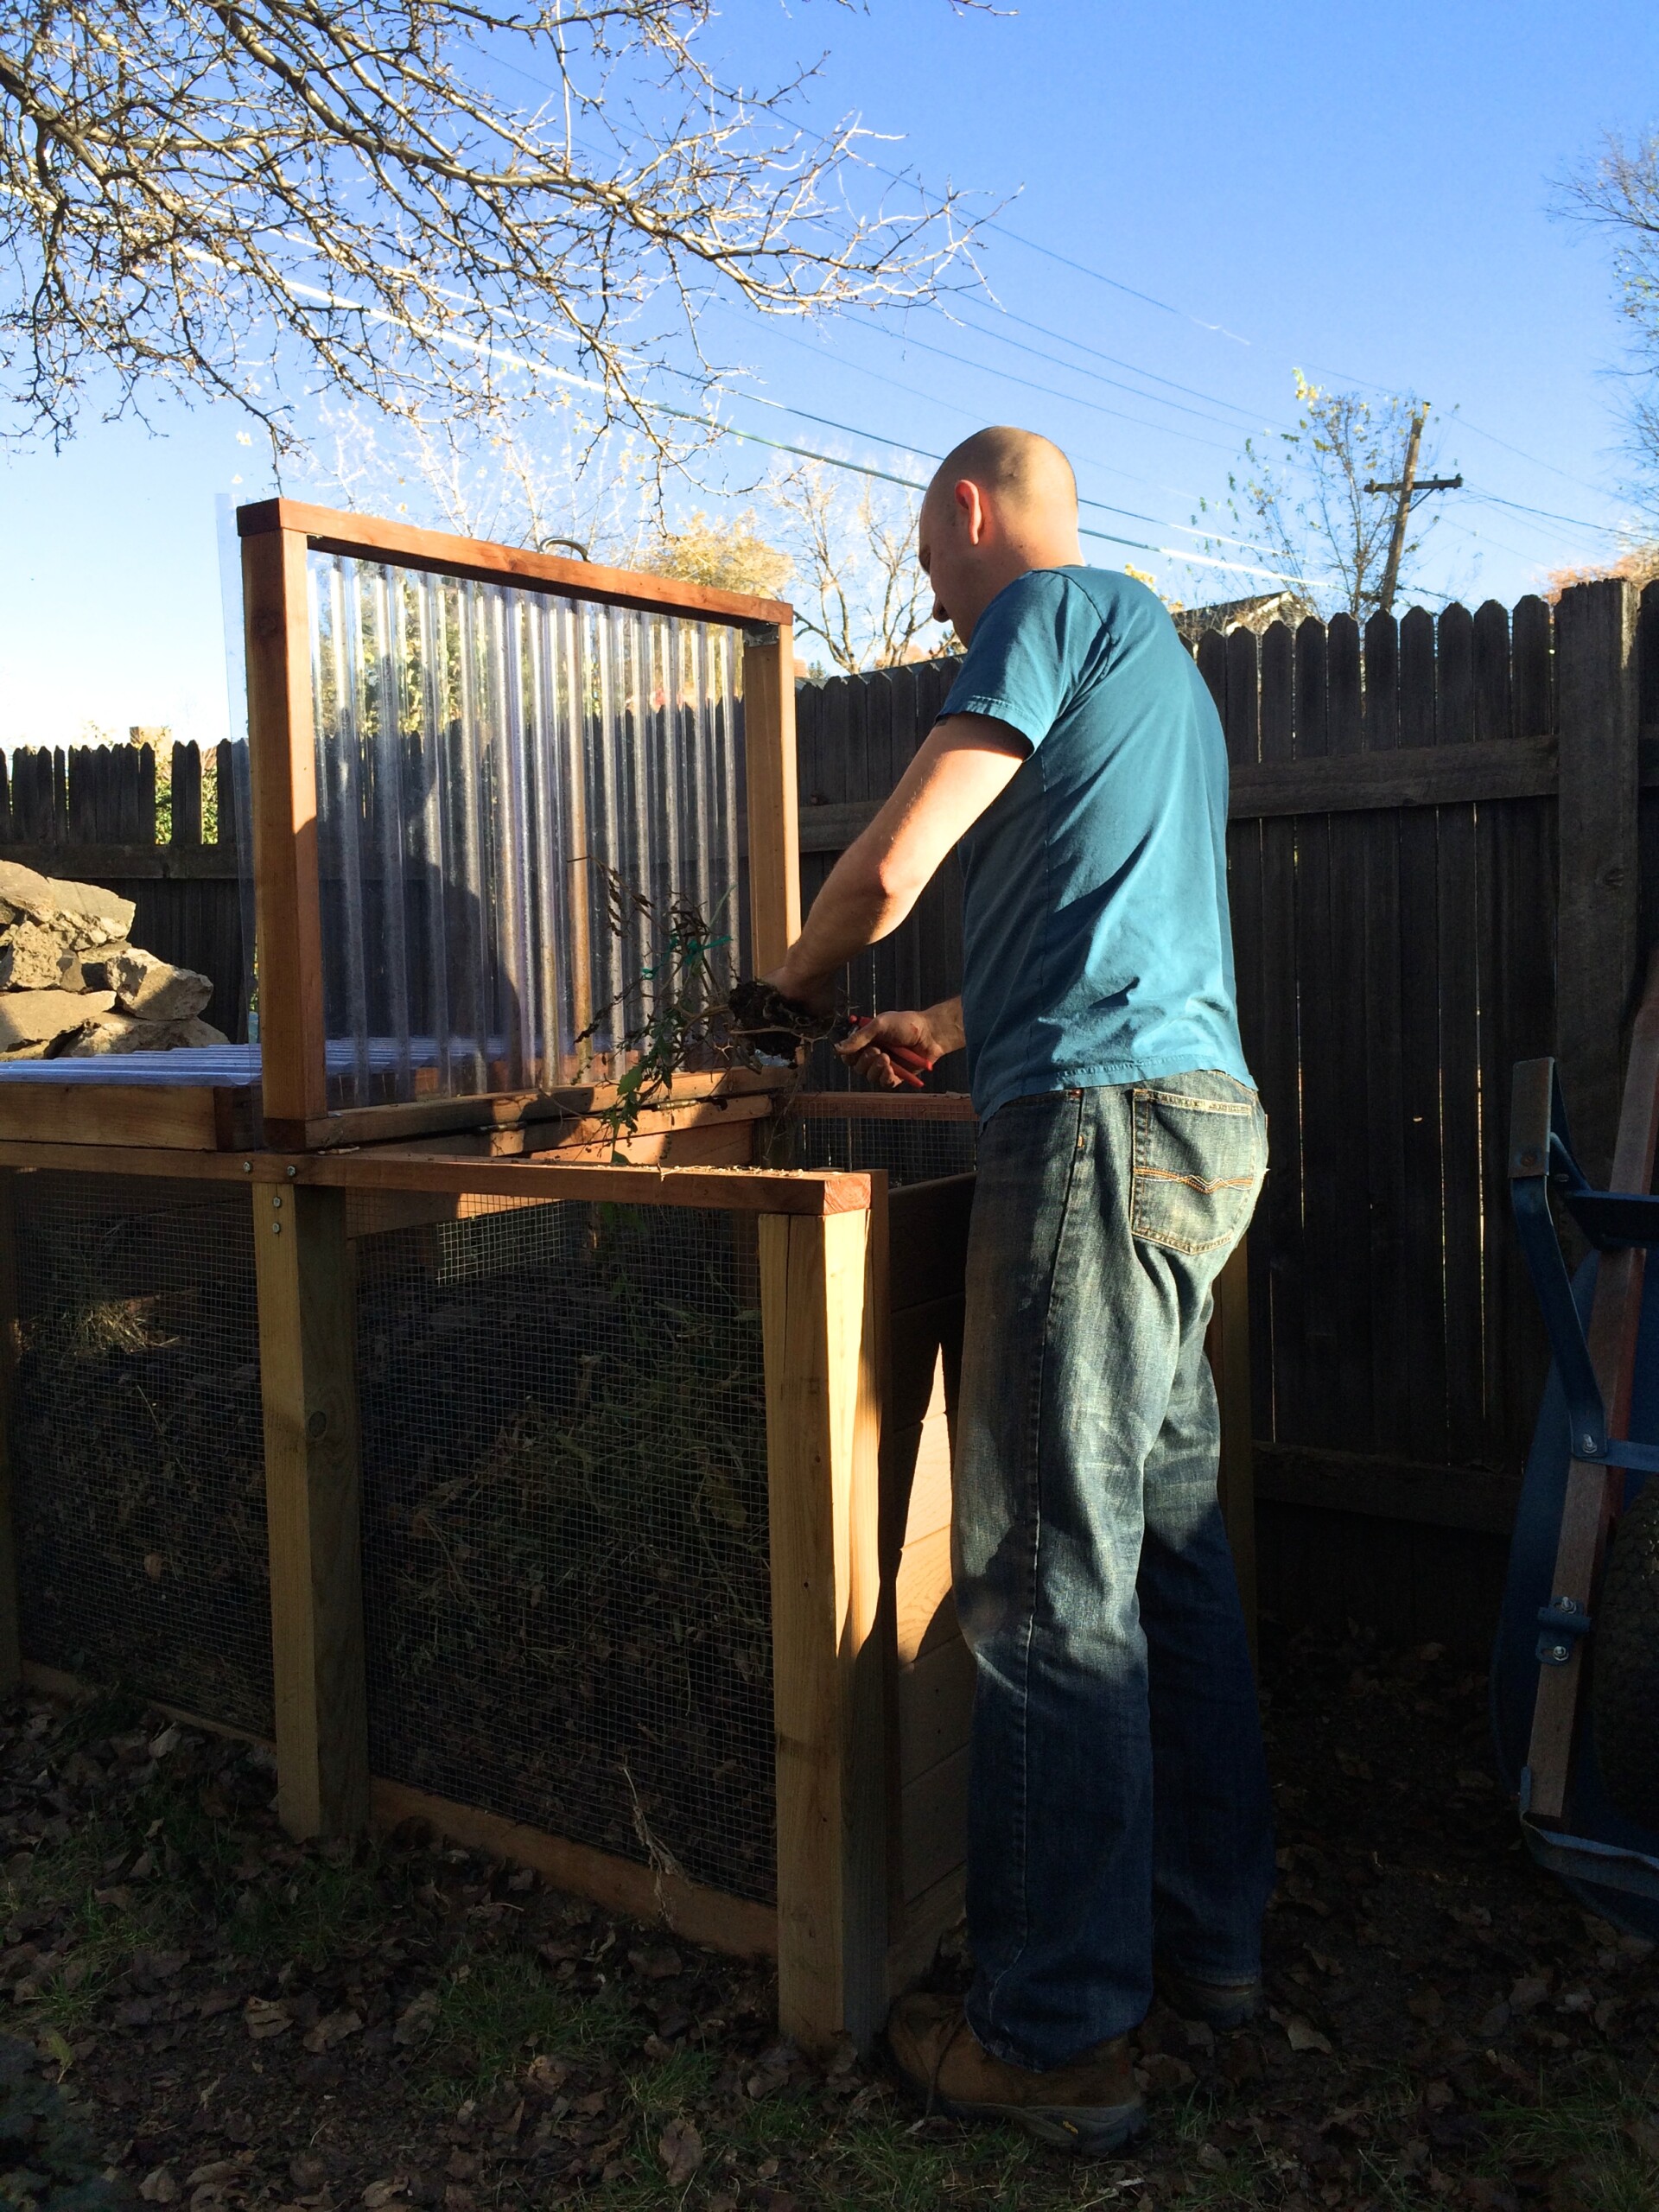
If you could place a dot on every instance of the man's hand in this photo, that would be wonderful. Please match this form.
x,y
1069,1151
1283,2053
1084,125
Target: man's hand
x,y
815,992
930,1035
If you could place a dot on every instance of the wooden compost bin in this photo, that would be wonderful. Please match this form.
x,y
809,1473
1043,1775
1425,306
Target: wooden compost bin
x,y
309,1264
253,1404
589,1499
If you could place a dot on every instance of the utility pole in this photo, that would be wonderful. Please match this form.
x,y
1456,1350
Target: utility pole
x,y
1409,491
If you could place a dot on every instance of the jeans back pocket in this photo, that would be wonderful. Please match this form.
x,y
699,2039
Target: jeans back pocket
x,y
1199,1162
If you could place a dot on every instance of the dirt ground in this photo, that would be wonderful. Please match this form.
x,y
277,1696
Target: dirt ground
x,y
200,2015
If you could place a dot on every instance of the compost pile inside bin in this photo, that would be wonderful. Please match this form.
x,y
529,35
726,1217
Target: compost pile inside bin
x,y
137,1441
565,1558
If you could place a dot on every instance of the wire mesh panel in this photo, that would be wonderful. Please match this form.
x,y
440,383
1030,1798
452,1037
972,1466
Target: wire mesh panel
x,y
912,1147
566,1578
137,1441
488,758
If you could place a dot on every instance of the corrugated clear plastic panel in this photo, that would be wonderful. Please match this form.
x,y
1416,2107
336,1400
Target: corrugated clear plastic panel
x,y
489,760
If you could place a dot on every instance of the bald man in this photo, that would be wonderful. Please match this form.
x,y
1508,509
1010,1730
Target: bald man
x,y
1118,1820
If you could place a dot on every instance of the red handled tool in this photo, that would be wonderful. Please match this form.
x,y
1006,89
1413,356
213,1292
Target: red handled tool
x,y
909,1066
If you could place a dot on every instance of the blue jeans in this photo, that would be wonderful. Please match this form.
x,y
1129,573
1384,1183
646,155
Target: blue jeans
x,y
1119,1798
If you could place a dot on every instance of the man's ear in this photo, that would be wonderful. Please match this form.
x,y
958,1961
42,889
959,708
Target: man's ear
x,y
971,505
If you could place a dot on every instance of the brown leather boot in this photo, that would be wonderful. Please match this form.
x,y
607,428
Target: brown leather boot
x,y
1220,2004
1091,2104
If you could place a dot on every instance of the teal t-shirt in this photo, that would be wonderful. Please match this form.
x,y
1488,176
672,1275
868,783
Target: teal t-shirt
x,y
1097,946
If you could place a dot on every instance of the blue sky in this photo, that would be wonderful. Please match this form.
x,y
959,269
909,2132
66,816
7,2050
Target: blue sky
x,y
1361,193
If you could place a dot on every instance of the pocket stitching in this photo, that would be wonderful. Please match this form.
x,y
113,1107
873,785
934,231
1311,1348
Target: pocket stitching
x,y
1141,1171
1196,1182
1240,1108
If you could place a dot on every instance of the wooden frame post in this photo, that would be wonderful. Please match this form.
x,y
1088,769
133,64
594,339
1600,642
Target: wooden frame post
x,y
282,761
774,793
818,1297
11,1648
303,1264
1597,917
1228,1347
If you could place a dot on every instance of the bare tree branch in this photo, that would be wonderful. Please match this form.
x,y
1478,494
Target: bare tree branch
x,y
198,195
1305,505
858,587
1620,190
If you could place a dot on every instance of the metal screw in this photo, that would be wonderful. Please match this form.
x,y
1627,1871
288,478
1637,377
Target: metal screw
x,y
276,1227
1587,1445
1568,1605
292,1172
277,1199
247,1167
1558,1653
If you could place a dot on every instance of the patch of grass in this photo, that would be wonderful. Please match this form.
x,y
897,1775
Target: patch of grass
x,y
497,2010
1599,2137
666,2089
97,1937
314,1912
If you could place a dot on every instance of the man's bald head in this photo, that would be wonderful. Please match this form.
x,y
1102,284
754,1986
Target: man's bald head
x,y
1001,502
1018,468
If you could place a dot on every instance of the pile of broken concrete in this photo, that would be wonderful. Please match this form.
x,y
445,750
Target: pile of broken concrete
x,y
72,984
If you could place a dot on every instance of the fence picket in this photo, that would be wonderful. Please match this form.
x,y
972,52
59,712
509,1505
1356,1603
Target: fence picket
x,y
1277,1282
1382,683
1212,667
1647,657
1493,715
1417,686
1241,713
1348,837
1532,671
185,787
225,794
1456,889
1383,1056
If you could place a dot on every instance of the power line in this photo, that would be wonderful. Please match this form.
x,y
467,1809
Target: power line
x,y
1071,398
1192,392
972,415
1574,522
481,347
910,391
1076,369
1098,276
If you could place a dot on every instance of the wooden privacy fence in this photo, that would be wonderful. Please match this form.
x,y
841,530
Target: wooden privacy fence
x,y
1442,853
89,812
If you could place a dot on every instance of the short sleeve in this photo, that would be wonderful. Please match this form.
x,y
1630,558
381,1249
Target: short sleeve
x,y
1018,669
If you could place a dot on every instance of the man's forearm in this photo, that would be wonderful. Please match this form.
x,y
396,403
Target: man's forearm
x,y
854,911
956,772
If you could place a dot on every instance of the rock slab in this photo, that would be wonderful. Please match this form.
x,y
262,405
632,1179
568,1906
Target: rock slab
x,y
34,958
115,1032
81,915
36,1017
154,989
